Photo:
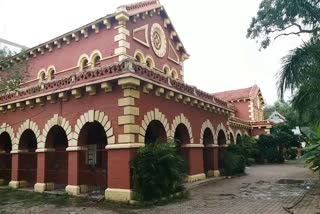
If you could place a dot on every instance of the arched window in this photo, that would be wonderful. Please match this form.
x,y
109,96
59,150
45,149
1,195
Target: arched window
x,y
42,75
96,61
83,62
174,74
139,57
51,73
166,70
150,62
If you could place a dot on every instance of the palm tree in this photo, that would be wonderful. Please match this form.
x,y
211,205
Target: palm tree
x,y
300,74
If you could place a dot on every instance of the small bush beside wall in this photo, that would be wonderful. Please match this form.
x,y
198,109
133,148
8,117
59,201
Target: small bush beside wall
x,y
157,171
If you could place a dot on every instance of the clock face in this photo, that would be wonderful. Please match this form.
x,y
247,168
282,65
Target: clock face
x,y
158,40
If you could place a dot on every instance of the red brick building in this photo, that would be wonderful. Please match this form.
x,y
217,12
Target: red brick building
x,y
94,95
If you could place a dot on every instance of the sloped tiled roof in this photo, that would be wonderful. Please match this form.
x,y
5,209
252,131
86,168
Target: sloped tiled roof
x,y
238,94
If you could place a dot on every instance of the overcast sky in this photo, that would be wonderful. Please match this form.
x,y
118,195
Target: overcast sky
x,y
212,31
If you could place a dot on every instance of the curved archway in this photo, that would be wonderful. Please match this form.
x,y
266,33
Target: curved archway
x,y
181,119
56,170
239,139
27,169
93,159
5,157
231,138
28,124
222,141
162,122
208,154
155,131
93,116
181,138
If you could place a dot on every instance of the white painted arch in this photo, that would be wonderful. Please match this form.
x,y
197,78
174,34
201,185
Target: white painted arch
x,y
91,116
56,120
150,116
207,124
181,119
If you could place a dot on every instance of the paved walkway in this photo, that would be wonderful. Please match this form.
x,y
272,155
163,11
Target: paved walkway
x,y
265,189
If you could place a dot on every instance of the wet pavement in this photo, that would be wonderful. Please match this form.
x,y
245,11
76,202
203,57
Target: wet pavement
x,y
265,189
272,189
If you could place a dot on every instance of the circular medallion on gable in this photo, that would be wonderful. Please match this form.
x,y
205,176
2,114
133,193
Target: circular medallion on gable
x,y
158,40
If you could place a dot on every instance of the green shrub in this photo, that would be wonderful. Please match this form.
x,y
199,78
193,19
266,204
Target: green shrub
x,y
251,161
271,154
292,153
157,171
233,163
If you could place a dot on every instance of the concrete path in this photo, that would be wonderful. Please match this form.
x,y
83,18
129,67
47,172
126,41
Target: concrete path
x,y
265,189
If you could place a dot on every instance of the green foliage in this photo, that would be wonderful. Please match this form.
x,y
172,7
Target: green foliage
x,y
233,163
276,18
287,111
284,137
158,171
247,150
291,153
312,151
300,74
11,72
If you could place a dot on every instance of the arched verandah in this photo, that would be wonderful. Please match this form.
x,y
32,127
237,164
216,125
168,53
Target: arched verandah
x,y
27,167
93,159
232,139
208,159
239,139
56,170
222,141
5,158
155,132
182,137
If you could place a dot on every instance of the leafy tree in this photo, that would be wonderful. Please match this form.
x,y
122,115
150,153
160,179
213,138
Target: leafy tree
x,y
11,72
312,152
276,18
301,75
287,111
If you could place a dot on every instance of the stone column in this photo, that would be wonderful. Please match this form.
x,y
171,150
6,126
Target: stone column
x,y
16,181
42,185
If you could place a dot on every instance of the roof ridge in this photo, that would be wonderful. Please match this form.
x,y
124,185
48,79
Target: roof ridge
x,y
140,4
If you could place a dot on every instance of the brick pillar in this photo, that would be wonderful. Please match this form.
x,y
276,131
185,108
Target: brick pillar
x,y
195,162
123,150
73,187
210,149
216,171
14,183
42,184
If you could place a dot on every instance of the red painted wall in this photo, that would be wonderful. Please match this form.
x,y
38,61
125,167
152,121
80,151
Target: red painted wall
x,y
134,45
